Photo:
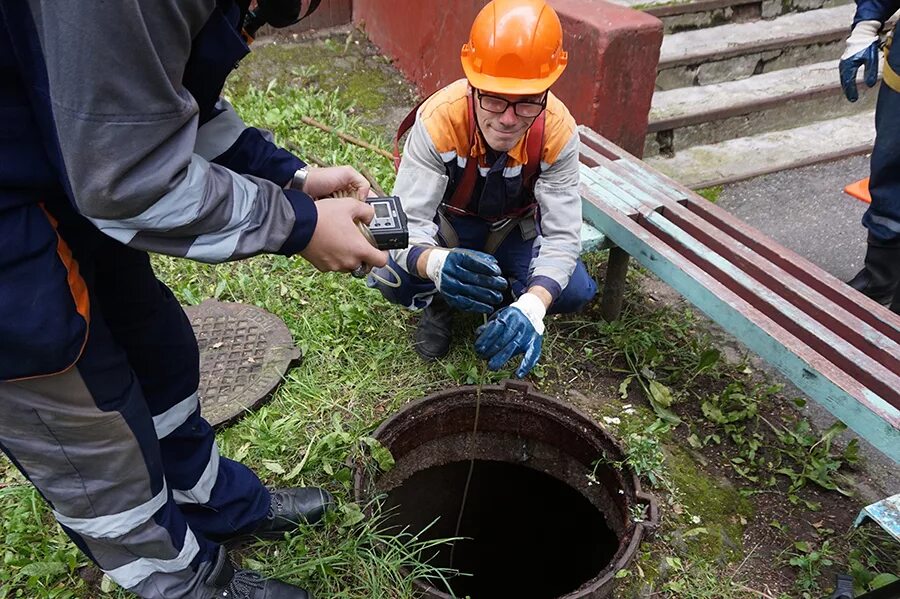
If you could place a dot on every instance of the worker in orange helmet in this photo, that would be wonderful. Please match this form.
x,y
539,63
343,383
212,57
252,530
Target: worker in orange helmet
x,y
489,182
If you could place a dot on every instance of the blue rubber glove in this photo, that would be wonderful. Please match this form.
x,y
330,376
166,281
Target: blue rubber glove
x,y
469,280
516,329
861,50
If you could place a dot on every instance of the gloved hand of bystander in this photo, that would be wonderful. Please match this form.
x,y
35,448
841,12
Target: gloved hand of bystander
x,y
516,329
469,280
861,50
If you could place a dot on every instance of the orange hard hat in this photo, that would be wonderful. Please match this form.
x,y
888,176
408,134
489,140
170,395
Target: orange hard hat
x,y
515,47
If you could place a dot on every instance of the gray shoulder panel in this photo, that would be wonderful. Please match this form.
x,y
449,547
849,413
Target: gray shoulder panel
x,y
128,131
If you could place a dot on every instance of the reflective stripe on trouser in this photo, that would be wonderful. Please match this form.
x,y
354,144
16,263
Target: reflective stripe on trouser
x,y
882,218
514,257
88,440
220,497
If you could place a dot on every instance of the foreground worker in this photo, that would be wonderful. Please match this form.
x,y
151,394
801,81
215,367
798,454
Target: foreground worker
x,y
880,278
489,182
113,142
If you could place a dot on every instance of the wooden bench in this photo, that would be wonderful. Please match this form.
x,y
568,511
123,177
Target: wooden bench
x,y
838,347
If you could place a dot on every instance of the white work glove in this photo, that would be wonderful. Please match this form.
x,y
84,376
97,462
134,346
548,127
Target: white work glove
x,y
861,50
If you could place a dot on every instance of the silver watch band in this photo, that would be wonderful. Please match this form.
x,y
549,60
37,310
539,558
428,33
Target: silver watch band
x,y
298,181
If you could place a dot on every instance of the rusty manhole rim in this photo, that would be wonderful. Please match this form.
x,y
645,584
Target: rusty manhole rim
x,y
635,531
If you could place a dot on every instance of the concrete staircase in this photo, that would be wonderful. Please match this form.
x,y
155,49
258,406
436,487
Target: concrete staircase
x,y
746,88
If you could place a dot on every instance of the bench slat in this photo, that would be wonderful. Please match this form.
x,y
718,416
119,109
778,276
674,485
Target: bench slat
x,y
637,201
861,307
863,336
819,338
846,398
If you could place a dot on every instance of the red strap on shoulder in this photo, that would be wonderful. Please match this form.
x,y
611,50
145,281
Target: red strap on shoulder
x,y
463,192
405,125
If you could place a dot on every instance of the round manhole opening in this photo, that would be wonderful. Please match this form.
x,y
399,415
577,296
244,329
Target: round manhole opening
x,y
545,516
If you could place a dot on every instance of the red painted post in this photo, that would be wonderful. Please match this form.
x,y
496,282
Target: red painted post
x,y
613,53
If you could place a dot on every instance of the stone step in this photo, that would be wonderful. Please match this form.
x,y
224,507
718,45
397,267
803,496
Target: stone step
x,y
747,157
708,114
686,15
740,50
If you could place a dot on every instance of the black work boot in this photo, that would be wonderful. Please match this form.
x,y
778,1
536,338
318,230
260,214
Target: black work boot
x,y
895,305
227,582
880,277
291,508
432,339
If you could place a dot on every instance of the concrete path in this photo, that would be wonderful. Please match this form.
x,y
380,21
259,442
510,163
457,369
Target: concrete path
x,y
806,210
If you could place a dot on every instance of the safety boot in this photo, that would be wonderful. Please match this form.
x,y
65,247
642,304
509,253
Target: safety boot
x,y
880,277
289,508
227,582
432,338
292,507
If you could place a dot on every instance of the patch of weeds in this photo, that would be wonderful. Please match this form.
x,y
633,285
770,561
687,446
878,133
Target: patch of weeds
x,y
811,458
643,455
353,555
809,559
711,194
38,559
688,580
347,66
280,109
874,558
798,453
662,352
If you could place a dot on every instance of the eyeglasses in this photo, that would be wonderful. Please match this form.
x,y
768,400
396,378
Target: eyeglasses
x,y
524,108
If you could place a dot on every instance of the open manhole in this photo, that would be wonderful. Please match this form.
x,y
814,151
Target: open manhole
x,y
546,515
244,353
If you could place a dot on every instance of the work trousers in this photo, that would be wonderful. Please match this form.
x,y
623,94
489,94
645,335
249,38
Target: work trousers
x,y
514,257
116,444
882,219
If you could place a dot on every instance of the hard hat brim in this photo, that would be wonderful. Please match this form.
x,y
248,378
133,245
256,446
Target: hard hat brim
x,y
510,85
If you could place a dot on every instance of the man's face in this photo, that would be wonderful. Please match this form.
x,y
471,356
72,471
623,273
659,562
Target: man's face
x,y
502,130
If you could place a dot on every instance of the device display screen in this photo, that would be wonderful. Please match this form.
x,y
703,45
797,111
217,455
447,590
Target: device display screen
x,y
382,210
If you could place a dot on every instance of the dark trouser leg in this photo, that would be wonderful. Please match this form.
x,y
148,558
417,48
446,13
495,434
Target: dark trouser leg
x,y
882,219
85,438
219,497
880,277
515,256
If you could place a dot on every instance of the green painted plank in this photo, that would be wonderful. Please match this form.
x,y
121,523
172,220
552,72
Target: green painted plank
x,y
592,239
611,198
643,172
871,420
886,513
611,194
610,178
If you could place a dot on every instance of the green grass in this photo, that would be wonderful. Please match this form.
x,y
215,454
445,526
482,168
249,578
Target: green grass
x,y
711,193
359,367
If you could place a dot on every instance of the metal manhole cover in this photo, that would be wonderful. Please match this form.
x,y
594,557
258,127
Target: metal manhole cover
x,y
244,353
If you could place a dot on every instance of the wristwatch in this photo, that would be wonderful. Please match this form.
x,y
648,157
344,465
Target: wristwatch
x,y
298,181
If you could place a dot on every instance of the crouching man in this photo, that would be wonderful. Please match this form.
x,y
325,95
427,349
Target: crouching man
x,y
489,182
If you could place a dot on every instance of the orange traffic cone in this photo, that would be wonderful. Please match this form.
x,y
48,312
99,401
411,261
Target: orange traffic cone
x,y
859,190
